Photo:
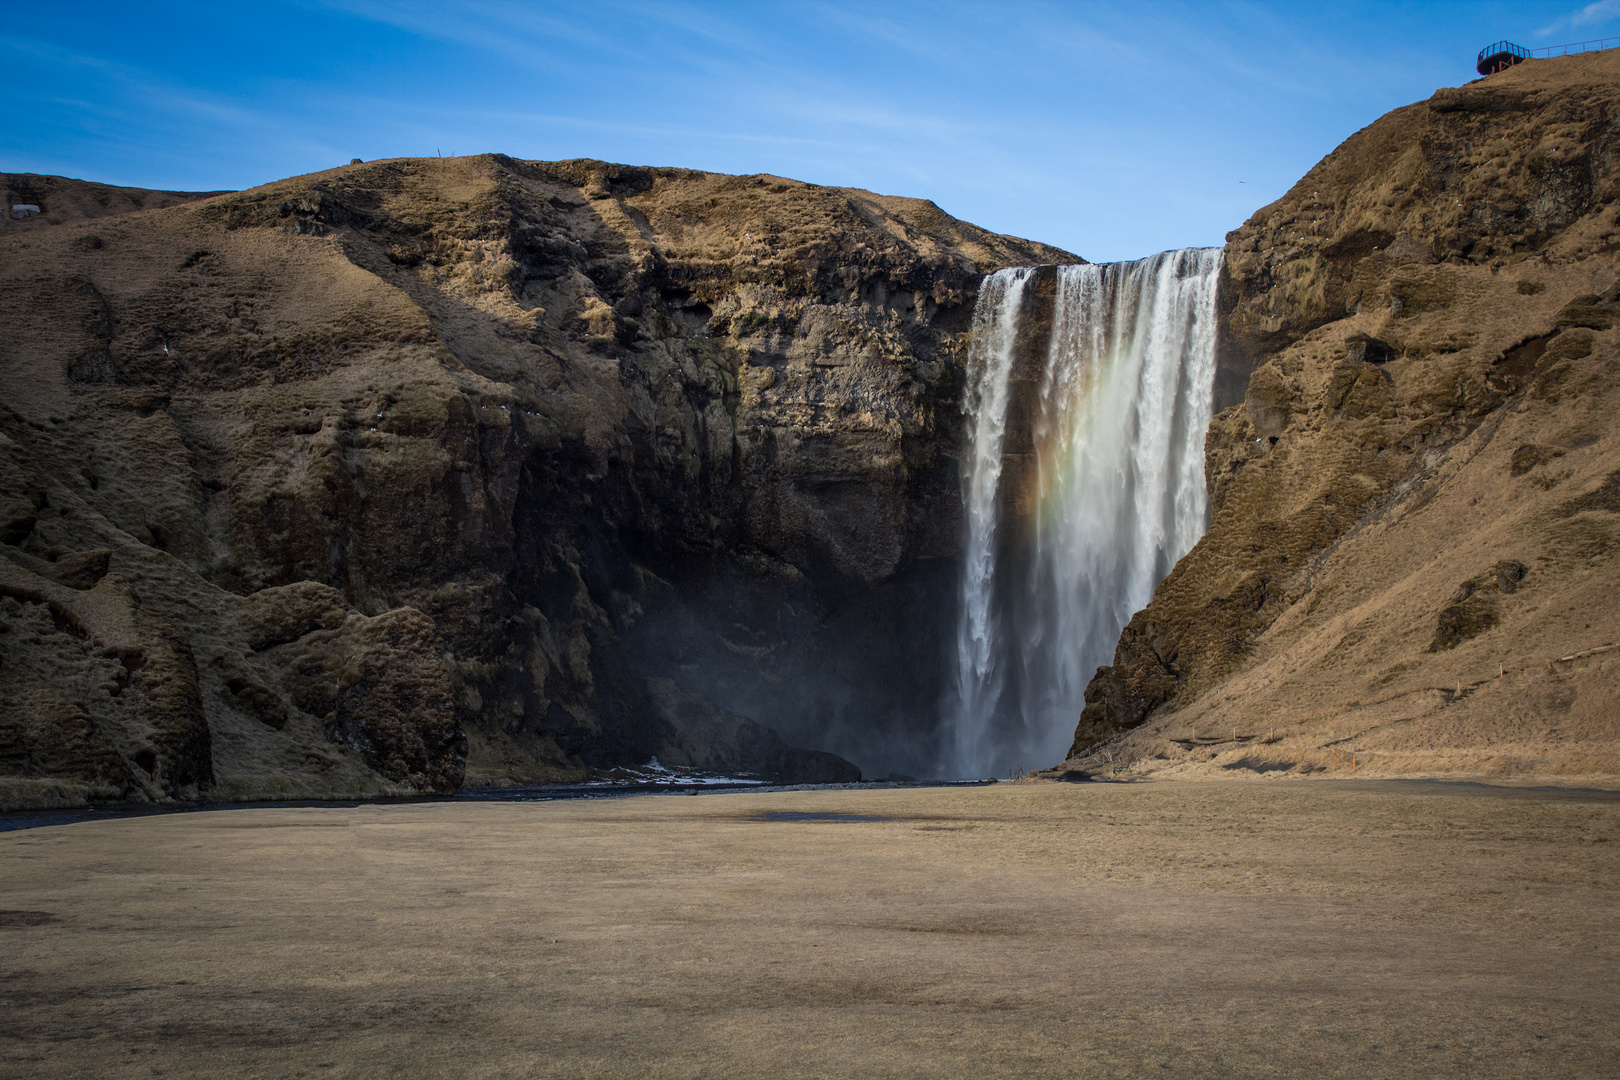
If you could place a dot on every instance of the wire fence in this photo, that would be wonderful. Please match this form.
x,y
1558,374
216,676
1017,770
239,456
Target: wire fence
x,y
1578,47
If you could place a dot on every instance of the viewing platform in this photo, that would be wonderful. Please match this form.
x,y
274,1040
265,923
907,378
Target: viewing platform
x,y
1504,54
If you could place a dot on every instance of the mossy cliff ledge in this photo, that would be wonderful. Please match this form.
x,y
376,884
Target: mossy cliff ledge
x,y
424,472
1411,562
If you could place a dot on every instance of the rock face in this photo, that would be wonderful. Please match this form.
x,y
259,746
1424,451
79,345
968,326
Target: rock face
x,y
418,471
1414,519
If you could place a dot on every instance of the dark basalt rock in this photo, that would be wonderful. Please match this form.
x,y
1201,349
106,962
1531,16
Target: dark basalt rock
x,y
1366,349
1474,610
439,466
1591,312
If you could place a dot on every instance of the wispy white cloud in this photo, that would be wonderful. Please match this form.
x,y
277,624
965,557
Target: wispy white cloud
x,y
1593,14
1108,129
129,110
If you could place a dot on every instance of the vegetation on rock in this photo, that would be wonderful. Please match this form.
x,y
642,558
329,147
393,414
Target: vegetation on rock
x,y
1428,319
423,471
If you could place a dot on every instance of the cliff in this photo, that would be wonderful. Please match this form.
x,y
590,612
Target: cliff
x,y
1411,556
423,472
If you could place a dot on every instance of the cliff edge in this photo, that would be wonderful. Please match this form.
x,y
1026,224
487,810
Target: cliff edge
x,y
430,471
1411,564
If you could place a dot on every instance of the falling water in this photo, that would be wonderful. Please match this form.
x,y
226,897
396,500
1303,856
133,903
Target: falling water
x,y
1111,490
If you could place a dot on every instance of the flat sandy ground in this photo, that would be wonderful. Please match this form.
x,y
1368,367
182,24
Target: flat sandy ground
x,y
1289,928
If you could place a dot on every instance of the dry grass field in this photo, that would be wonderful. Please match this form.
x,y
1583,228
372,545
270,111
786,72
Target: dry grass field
x,y
1286,928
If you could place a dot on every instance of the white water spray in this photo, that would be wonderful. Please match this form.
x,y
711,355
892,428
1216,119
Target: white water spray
x,y
1115,492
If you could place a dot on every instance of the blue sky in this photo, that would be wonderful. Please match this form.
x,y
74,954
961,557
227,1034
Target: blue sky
x,y
1111,129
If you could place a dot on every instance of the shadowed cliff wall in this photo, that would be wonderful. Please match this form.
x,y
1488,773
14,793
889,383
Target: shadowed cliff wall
x,y
587,462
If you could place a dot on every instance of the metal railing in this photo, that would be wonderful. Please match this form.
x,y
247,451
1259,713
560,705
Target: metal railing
x,y
1504,54
1504,48
1579,47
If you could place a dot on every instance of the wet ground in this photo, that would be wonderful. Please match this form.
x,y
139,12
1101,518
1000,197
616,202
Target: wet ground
x,y
703,784
1205,929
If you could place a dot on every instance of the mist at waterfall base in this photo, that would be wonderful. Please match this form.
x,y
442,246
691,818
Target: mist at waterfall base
x,y
1082,486
1080,477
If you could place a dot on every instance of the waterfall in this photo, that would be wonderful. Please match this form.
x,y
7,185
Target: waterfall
x,y
1104,440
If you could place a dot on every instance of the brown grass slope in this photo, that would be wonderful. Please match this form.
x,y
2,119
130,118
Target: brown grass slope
x,y
62,199
303,486
1412,555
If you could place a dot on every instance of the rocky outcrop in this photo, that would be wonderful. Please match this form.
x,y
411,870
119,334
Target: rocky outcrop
x,y
100,695
1427,321
424,470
